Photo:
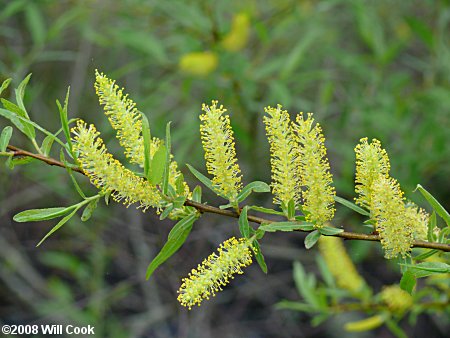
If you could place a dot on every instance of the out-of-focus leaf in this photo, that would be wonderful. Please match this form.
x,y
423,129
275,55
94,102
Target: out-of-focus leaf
x,y
35,23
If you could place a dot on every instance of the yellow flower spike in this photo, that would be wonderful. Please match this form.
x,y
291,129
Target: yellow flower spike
x,y
238,36
198,63
371,162
315,176
283,156
108,174
340,265
127,120
417,219
124,117
366,324
215,272
220,153
388,209
397,300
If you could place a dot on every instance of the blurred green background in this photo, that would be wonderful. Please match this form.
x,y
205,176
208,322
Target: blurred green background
x,y
365,68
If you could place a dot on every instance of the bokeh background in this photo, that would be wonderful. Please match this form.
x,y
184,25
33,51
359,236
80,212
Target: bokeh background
x,y
365,68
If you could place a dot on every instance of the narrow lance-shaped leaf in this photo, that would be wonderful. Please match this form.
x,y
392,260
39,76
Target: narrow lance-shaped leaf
x,y
5,137
20,93
146,135
5,85
158,165
259,256
440,210
202,178
256,186
63,115
287,226
312,239
57,226
244,227
34,215
165,179
351,205
175,240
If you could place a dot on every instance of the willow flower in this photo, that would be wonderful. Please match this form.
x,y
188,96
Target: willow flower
x,y
340,265
397,300
239,34
220,153
127,121
283,156
199,63
124,117
108,174
315,176
215,272
371,162
388,210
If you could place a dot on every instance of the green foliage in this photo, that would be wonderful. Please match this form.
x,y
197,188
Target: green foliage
x,y
375,68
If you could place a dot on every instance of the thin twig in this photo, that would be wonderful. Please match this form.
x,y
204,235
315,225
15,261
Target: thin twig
x,y
229,213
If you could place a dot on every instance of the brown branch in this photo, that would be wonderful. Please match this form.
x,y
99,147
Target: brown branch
x,y
229,213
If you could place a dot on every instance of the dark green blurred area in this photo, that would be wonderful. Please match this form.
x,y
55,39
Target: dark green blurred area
x,y
379,69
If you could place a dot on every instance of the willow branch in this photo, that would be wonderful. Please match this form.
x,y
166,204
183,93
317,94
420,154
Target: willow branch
x,y
204,208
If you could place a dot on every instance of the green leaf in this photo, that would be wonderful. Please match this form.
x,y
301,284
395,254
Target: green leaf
x,y
63,116
5,85
256,186
266,210
36,23
294,306
34,215
197,194
166,211
428,268
351,205
431,225
157,166
202,178
89,210
5,137
435,204
12,113
305,285
312,239
286,226
165,180
178,201
147,138
259,256
244,227
426,254
57,226
408,281
291,209
325,272
72,177
20,93
179,184
175,240
47,145
330,231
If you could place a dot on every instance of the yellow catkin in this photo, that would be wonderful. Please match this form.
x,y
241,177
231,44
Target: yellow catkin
x,y
108,174
124,118
127,121
215,272
199,63
371,162
220,153
238,36
340,265
315,177
283,156
397,300
366,324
